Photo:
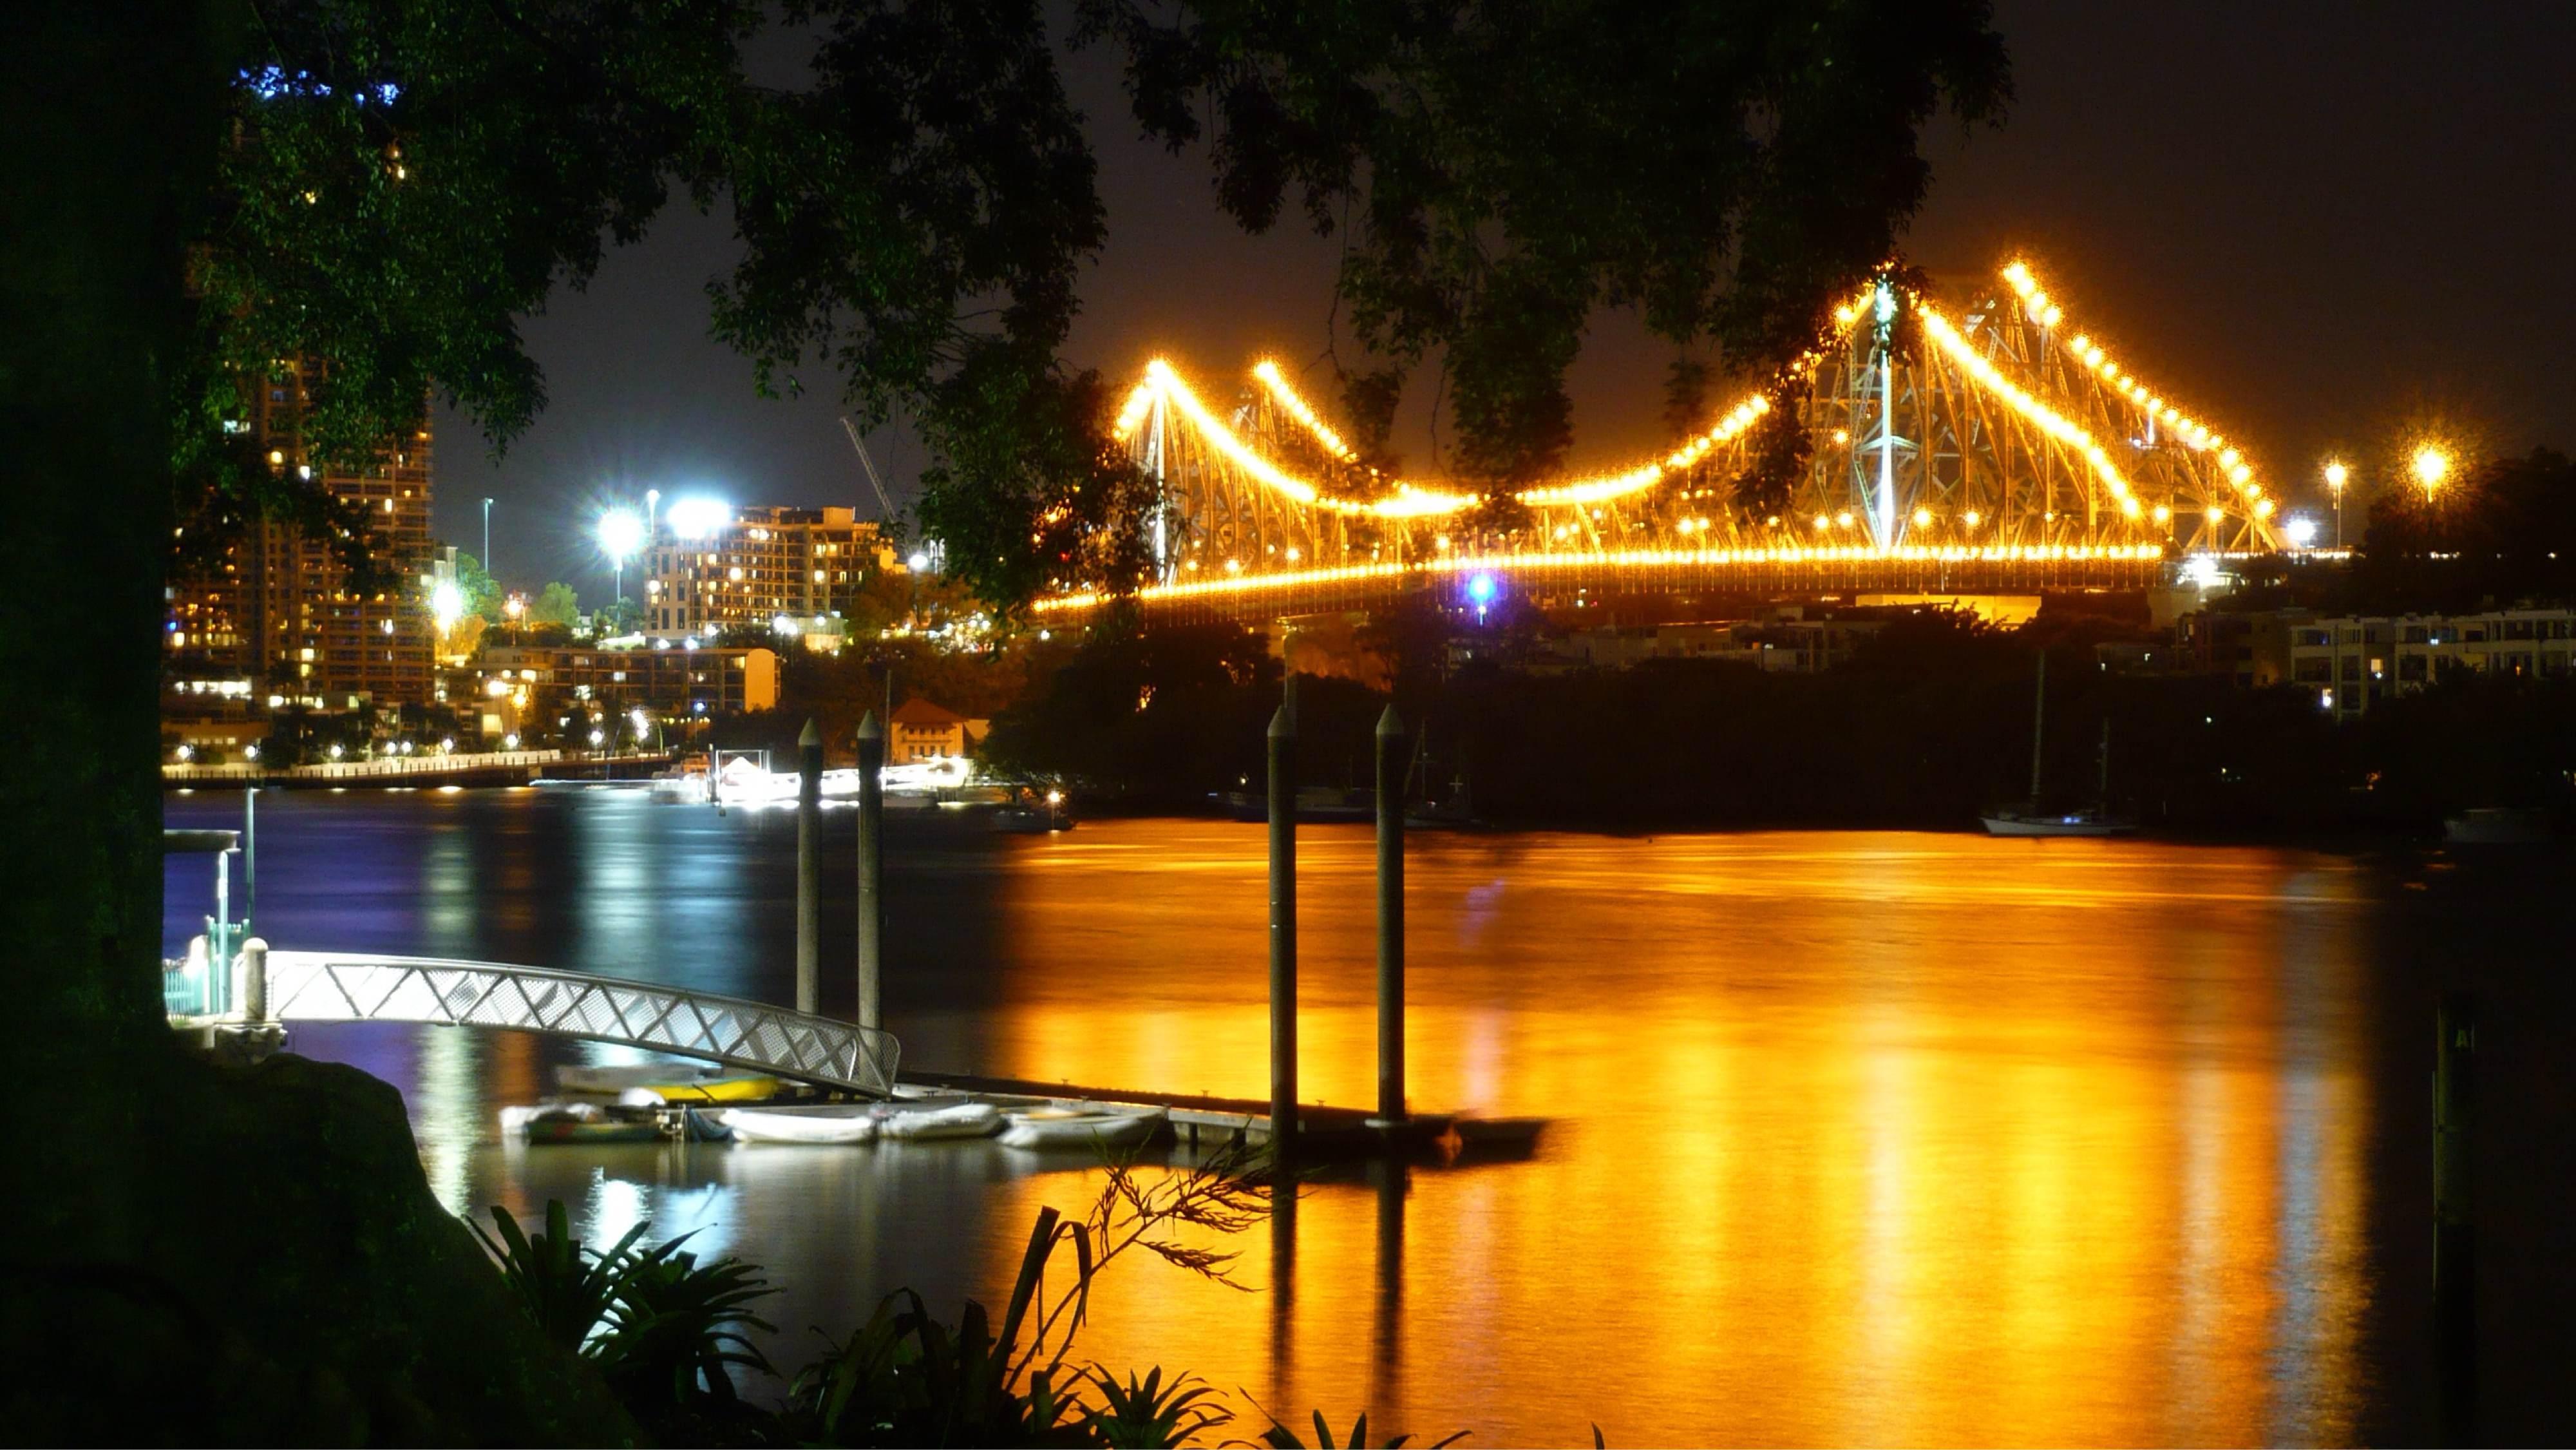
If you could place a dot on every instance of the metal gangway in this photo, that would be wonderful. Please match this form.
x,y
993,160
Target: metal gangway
x,y
284,987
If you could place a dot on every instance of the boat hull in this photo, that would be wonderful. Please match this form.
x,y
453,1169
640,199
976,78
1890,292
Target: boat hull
x,y
2056,826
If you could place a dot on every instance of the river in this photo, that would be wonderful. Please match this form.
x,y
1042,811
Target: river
x,y
1884,1138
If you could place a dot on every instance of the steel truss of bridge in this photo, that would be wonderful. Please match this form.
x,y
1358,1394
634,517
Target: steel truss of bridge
x,y
1967,443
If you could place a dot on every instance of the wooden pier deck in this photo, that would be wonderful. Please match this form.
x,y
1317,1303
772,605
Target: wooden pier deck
x,y
1326,1133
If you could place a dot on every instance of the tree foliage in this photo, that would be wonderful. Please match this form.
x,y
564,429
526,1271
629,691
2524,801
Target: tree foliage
x,y
402,183
2504,531
555,604
1499,171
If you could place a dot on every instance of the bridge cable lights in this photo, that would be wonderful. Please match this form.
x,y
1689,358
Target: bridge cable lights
x,y
2197,435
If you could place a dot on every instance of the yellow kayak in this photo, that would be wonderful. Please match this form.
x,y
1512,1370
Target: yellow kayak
x,y
714,1090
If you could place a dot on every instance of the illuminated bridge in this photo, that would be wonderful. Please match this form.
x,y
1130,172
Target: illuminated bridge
x,y
1975,443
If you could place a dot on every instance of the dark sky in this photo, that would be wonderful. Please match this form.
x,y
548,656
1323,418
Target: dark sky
x,y
2317,225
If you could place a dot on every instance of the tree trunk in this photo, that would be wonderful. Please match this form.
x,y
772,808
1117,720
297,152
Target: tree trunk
x,y
197,1254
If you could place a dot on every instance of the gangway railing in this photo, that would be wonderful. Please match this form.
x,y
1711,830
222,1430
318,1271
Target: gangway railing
x,y
304,986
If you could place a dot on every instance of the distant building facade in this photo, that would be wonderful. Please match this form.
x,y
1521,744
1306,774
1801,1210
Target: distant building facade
x,y
270,621
924,731
712,567
1783,640
556,686
2354,662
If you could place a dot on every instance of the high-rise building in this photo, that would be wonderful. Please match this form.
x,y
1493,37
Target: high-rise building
x,y
270,619
710,566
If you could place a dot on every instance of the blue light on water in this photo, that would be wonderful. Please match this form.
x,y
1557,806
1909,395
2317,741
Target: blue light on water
x,y
1481,588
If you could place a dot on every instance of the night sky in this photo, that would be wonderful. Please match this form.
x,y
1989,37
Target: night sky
x,y
2320,226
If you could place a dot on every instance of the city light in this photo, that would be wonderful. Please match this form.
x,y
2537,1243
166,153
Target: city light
x,y
446,604
1481,589
699,517
620,534
2431,464
2302,531
250,752
2336,476
916,563
510,742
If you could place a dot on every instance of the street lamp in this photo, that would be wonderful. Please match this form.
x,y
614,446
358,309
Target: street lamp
x,y
487,536
620,535
2432,464
2336,477
446,604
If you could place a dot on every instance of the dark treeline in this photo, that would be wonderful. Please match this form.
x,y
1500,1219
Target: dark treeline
x,y
1927,725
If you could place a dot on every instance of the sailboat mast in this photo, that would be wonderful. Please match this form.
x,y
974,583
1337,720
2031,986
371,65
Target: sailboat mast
x,y
2106,763
2038,722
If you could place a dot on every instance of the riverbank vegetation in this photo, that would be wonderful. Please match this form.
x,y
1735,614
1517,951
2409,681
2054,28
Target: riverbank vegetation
x,y
668,1334
1928,723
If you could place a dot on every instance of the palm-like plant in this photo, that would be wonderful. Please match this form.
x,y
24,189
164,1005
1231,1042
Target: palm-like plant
x,y
1149,1414
568,1287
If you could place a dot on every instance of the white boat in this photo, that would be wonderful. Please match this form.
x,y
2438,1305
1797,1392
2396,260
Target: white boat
x,y
959,1120
2067,823
1080,1125
2497,826
830,1123
2030,820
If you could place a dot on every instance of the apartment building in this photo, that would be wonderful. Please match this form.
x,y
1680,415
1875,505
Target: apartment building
x,y
270,619
2354,662
710,566
553,684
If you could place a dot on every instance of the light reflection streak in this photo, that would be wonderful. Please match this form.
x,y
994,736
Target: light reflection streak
x,y
1884,1137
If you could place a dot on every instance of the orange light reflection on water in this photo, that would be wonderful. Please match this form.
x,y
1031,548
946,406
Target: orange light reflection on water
x,y
1918,1139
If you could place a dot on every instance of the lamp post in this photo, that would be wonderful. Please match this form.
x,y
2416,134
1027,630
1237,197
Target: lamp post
x,y
2336,477
487,536
620,533
2432,464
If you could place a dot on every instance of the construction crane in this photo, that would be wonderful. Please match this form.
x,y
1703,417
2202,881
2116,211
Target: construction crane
x,y
885,505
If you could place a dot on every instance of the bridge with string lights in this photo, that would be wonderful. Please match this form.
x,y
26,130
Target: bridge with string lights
x,y
1965,443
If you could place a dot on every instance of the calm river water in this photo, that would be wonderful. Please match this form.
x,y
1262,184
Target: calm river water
x,y
1885,1138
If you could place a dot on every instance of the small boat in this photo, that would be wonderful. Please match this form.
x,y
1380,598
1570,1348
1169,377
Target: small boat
x,y
2031,819
565,1131
2497,826
576,1123
610,1081
1080,1125
2056,823
959,1120
827,1123
1037,816
738,1088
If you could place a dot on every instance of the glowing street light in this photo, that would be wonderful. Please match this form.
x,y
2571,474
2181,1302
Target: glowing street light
x,y
699,517
446,604
2432,464
2303,531
2336,477
620,535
